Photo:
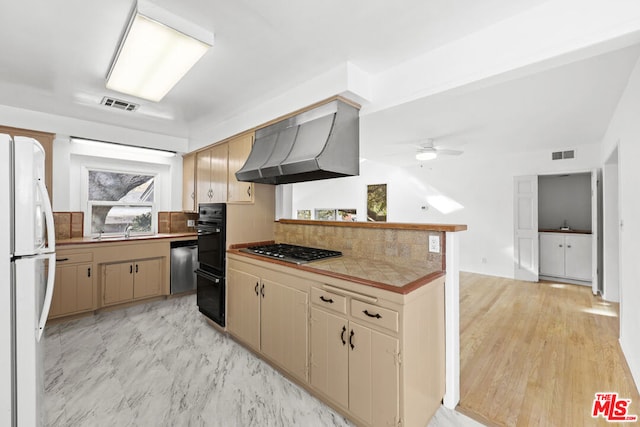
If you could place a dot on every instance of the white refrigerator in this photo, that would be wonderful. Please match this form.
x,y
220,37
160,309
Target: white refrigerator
x,y
27,269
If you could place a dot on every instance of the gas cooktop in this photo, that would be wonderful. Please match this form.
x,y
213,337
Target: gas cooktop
x,y
291,253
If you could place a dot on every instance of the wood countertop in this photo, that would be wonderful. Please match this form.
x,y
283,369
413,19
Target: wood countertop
x,y
379,225
378,274
92,240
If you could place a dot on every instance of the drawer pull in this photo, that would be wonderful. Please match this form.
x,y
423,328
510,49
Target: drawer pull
x,y
344,329
62,259
351,340
377,315
329,300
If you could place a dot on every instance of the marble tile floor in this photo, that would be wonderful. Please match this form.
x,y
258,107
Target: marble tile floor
x,y
161,364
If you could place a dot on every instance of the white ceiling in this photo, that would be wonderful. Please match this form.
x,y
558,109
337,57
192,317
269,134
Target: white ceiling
x,y
55,56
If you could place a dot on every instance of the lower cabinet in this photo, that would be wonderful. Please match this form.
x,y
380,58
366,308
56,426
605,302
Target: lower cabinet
x,y
74,289
128,281
356,366
566,256
374,355
270,317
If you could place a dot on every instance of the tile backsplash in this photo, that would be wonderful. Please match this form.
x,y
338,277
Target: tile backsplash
x,y
176,222
403,247
68,224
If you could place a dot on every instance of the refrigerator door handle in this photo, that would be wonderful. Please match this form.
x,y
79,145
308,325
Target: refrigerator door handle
x,y
48,296
48,215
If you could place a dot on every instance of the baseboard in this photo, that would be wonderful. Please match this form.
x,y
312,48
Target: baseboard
x,y
564,280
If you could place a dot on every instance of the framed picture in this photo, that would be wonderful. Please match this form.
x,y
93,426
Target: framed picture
x,y
304,214
347,215
325,214
377,202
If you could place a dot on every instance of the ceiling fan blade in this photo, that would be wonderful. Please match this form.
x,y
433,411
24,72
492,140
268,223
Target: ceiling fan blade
x,y
449,152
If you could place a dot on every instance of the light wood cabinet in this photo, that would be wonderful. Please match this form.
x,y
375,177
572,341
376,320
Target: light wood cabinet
x,y
128,281
269,316
565,255
239,149
375,356
243,307
211,173
189,182
355,366
74,286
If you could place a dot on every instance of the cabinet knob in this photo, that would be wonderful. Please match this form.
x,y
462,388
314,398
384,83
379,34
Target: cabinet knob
x,y
569,246
193,196
559,246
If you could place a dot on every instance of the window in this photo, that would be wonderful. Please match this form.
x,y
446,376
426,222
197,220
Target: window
x,y
118,200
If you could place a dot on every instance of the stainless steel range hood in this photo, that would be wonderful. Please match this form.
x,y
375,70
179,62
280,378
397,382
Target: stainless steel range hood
x,y
318,144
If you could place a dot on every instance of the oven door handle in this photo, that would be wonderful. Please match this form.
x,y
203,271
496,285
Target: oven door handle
x,y
209,276
206,231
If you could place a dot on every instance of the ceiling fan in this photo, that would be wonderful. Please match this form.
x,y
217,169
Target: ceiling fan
x,y
428,151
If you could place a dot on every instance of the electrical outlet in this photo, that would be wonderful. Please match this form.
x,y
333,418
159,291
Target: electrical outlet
x,y
434,244
191,223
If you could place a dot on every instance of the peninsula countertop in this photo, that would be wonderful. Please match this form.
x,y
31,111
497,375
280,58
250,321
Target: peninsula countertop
x,y
120,239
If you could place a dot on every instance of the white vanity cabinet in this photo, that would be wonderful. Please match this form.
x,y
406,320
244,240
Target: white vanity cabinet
x,y
566,255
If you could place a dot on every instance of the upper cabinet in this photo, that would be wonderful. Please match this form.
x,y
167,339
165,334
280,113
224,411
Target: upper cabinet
x,y
239,149
189,182
46,140
211,173
215,174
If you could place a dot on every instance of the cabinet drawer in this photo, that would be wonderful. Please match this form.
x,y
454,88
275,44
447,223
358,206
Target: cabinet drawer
x,y
375,315
329,300
64,258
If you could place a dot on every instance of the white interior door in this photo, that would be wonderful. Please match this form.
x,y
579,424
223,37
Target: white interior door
x,y
525,245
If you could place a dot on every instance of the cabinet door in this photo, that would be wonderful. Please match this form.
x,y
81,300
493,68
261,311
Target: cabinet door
x,y
189,182
578,257
552,254
203,177
117,283
373,376
239,149
85,287
148,275
284,327
330,356
219,172
243,307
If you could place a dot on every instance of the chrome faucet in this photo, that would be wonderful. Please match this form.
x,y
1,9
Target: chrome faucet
x,y
127,231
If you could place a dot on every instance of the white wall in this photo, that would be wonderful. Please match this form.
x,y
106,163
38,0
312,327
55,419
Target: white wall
x,y
564,198
624,130
481,183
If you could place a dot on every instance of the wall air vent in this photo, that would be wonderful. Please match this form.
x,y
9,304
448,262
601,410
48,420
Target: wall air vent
x,y
118,104
559,155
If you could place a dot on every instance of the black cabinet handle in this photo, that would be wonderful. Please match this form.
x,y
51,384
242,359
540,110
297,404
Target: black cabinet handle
x,y
89,272
62,259
351,340
136,268
377,316
344,329
329,300
256,289
130,268
249,190
262,290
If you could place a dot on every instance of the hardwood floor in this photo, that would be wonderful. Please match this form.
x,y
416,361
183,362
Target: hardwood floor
x,y
536,353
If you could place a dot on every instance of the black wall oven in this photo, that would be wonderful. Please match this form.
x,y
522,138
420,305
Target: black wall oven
x,y
211,258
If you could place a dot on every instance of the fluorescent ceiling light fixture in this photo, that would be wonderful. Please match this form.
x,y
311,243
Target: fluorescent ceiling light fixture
x,y
157,50
426,155
122,148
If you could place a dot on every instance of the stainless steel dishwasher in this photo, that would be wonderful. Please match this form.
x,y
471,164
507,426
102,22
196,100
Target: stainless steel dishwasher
x,y
184,263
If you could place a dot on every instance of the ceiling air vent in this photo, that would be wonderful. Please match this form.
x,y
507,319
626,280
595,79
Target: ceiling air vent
x,y
118,104
559,155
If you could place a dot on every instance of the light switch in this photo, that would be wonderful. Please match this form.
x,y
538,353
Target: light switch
x,y
434,244
191,223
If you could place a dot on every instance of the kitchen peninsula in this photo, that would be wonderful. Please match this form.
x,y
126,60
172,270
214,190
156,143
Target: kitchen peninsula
x,y
364,332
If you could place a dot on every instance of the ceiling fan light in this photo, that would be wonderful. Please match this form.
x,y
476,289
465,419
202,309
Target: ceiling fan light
x,y
426,155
